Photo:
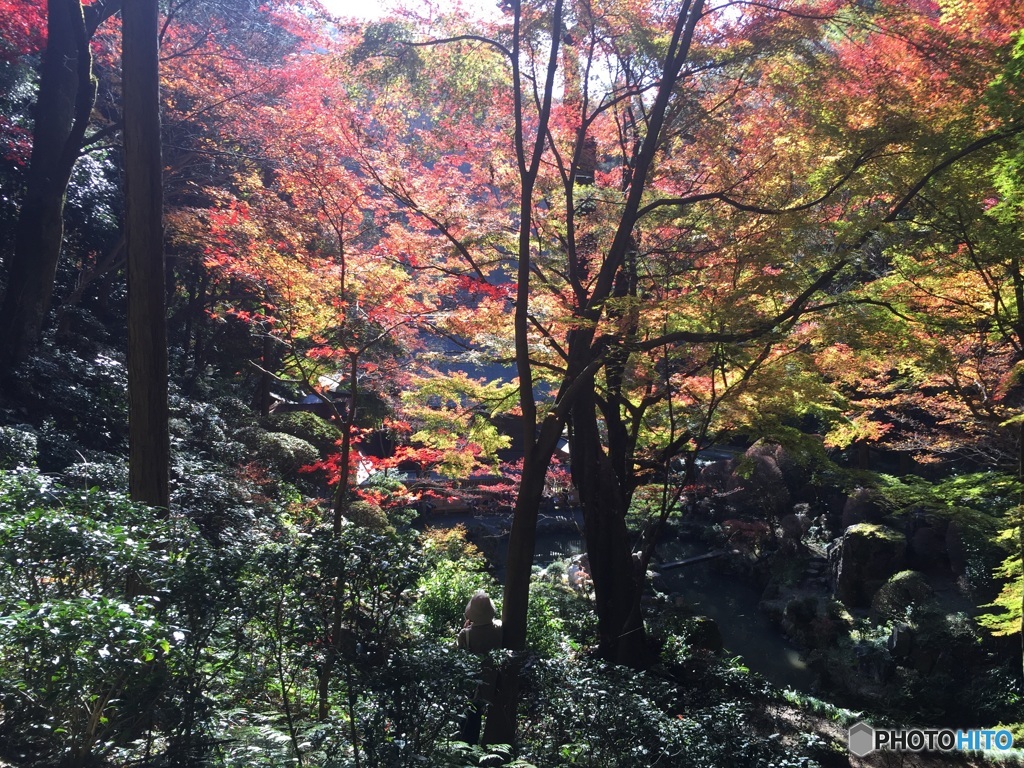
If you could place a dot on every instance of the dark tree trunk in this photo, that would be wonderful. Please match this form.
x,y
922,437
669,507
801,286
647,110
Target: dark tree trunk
x,y
67,93
268,362
621,636
149,450
519,563
341,497
1020,524
501,717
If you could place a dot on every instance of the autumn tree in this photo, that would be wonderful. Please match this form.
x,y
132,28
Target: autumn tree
x,y
221,63
933,365
294,253
61,117
705,229
583,269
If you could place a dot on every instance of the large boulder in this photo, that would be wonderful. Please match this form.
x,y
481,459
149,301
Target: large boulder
x,y
869,554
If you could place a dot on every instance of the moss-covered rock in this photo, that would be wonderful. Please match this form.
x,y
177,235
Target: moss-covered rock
x,y
902,591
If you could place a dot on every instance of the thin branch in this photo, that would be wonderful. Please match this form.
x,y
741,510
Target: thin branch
x,y
460,38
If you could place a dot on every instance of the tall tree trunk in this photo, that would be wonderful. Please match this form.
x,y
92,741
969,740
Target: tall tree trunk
x,y
521,545
621,636
501,717
67,93
540,447
149,449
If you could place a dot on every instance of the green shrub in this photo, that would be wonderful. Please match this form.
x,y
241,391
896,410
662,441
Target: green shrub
x,y
903,591
584,713
82,673
218,500
369,515
19,447
444,592
577,621
85,399
86,645
110,475
543,626
449,544
318,432
200,429
285,453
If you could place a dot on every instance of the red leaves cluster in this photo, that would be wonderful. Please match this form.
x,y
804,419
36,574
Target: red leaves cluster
x,y
22,28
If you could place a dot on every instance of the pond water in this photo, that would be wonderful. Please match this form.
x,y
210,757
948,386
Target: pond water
x,y
733,603
728,599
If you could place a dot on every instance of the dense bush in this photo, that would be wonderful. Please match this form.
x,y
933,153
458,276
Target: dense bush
x,y
19,447
903,591
86,648
201,430
224,504
112,475
82,401
368,515
132,639
122,634
307,426
285,453
444,592
574,612
581,713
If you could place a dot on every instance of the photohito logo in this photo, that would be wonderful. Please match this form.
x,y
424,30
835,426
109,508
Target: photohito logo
x,y
864,739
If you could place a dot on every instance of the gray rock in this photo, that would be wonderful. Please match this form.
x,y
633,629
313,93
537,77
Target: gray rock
x,y
868,556
900,641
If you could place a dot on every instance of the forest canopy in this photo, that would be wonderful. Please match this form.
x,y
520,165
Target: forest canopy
x,y
280,287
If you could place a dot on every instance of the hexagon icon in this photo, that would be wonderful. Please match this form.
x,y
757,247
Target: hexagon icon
x,y
862,739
